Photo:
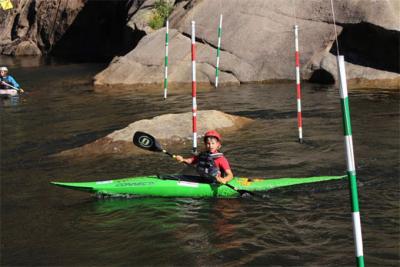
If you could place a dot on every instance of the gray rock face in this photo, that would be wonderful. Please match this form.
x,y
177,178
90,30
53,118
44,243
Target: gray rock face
x,y
32,27
258,42
168,129
361,77
81,28
144,65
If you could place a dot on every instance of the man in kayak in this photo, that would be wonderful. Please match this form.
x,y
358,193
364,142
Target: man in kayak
x,y
7,81
211,163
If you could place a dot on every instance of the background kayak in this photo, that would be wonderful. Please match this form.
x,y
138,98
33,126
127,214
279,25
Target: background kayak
x,y
8,92
186,186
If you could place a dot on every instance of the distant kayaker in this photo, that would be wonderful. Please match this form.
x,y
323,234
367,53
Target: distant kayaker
x,y
211,162
7,81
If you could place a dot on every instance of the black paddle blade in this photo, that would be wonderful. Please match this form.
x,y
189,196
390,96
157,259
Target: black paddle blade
x,y
146,141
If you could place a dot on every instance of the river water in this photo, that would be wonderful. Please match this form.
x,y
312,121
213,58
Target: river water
x,y
308,225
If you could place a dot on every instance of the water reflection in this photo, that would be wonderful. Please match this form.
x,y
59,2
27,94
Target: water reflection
x,y
225,213
22,62
9,101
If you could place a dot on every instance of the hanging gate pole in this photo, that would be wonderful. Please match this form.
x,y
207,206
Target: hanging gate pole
x,y
194,103
351,170
298,87
218,51
166,60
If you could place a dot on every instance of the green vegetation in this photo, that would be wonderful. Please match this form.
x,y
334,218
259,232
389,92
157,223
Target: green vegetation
x,y
160,14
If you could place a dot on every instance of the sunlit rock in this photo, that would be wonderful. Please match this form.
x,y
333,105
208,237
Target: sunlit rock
x,y
169,129
258,42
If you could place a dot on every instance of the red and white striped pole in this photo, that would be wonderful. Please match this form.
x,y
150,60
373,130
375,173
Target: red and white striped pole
x,y
194,104
298,87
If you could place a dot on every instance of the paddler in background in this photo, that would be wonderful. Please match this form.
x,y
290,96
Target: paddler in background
x,y
7,81
211,162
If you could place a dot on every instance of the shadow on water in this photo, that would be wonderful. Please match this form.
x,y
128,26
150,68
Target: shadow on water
x,y
307,225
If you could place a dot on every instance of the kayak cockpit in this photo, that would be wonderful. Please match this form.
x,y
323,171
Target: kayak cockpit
x,y
187,178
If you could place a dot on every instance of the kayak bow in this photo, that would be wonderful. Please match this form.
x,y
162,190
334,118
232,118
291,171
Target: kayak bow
x,y
8,92
185,186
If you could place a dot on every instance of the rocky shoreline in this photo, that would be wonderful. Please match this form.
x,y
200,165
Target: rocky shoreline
x,y
257,39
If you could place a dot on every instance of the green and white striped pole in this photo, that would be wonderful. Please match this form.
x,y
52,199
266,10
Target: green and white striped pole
x,y
351,170
166,60
218,51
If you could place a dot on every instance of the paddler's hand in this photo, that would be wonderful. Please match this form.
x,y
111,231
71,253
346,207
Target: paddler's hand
x,y
21,91
224,180
179,158
220,179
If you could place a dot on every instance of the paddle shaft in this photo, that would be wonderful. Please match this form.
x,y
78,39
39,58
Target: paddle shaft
x,y
169,154
13,87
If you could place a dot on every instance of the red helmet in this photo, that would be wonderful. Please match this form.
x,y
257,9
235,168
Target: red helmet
x,y
212,133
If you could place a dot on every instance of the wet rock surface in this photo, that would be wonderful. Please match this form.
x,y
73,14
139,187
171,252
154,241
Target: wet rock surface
x,y
168,129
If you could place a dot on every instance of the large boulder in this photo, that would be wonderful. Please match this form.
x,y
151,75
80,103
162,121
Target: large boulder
x,y
144,65
257,41
360,77
169,129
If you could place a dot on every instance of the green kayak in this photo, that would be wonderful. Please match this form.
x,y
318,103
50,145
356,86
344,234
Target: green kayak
x,y
186,186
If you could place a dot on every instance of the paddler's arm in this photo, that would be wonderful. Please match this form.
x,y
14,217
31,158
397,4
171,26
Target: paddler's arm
x,y
227,178
15,84
13,81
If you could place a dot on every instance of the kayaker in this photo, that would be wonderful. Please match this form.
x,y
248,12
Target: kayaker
x,y
7,81
211,162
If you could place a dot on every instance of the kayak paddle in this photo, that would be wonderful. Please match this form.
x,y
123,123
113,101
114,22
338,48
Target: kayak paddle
x,y
13,87
148,142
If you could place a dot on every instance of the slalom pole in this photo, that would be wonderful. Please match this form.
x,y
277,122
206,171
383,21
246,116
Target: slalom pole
x,y
298,87
166,60
194,103
351,171
218,51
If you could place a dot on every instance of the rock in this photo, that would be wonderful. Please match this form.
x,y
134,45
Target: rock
x,y
144,65
169,129
257,41
27,48
361,77
140,14
88,29
257,38
33,27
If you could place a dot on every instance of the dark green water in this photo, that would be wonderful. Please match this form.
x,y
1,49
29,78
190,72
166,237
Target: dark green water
x,y
308,225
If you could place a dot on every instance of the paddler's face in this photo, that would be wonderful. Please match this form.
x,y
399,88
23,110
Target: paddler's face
x,y
3,73
212,144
